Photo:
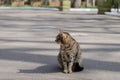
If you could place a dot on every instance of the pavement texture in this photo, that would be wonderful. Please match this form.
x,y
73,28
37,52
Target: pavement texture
x,y
28,50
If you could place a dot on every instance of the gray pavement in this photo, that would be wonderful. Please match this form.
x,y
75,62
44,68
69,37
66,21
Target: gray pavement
x,y
28,50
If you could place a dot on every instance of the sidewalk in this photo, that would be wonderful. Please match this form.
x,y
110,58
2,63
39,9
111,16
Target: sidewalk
x,y
28,50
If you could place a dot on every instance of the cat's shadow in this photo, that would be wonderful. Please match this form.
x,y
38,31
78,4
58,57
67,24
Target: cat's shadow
x,y
42,69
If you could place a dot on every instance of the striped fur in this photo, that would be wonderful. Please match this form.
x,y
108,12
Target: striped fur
x,y
69,56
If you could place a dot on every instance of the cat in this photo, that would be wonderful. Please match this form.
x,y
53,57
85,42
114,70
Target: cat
x,y
69,56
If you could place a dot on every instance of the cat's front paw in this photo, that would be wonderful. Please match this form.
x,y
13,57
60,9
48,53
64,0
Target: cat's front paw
x,y
65,71
70,71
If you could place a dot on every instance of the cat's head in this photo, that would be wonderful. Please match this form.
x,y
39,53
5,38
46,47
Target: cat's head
x,y
62,38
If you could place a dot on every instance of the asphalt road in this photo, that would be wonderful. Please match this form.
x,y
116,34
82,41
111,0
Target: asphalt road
x,y
28,50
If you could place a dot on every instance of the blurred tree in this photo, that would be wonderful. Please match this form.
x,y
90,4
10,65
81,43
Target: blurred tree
x,y
75,3
65,5
117,4
104,6
6,2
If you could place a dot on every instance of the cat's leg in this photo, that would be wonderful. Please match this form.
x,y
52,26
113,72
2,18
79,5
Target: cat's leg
x,y
60,61
65,67
70,65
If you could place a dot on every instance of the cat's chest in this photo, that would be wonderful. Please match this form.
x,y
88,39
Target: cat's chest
x,y
67,56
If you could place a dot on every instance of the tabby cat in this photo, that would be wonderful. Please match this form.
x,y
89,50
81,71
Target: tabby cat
x,y
69,56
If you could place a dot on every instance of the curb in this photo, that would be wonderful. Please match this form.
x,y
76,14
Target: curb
x,y
112,14
84,9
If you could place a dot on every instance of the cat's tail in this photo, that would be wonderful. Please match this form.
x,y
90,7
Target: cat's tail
x,y
77,67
